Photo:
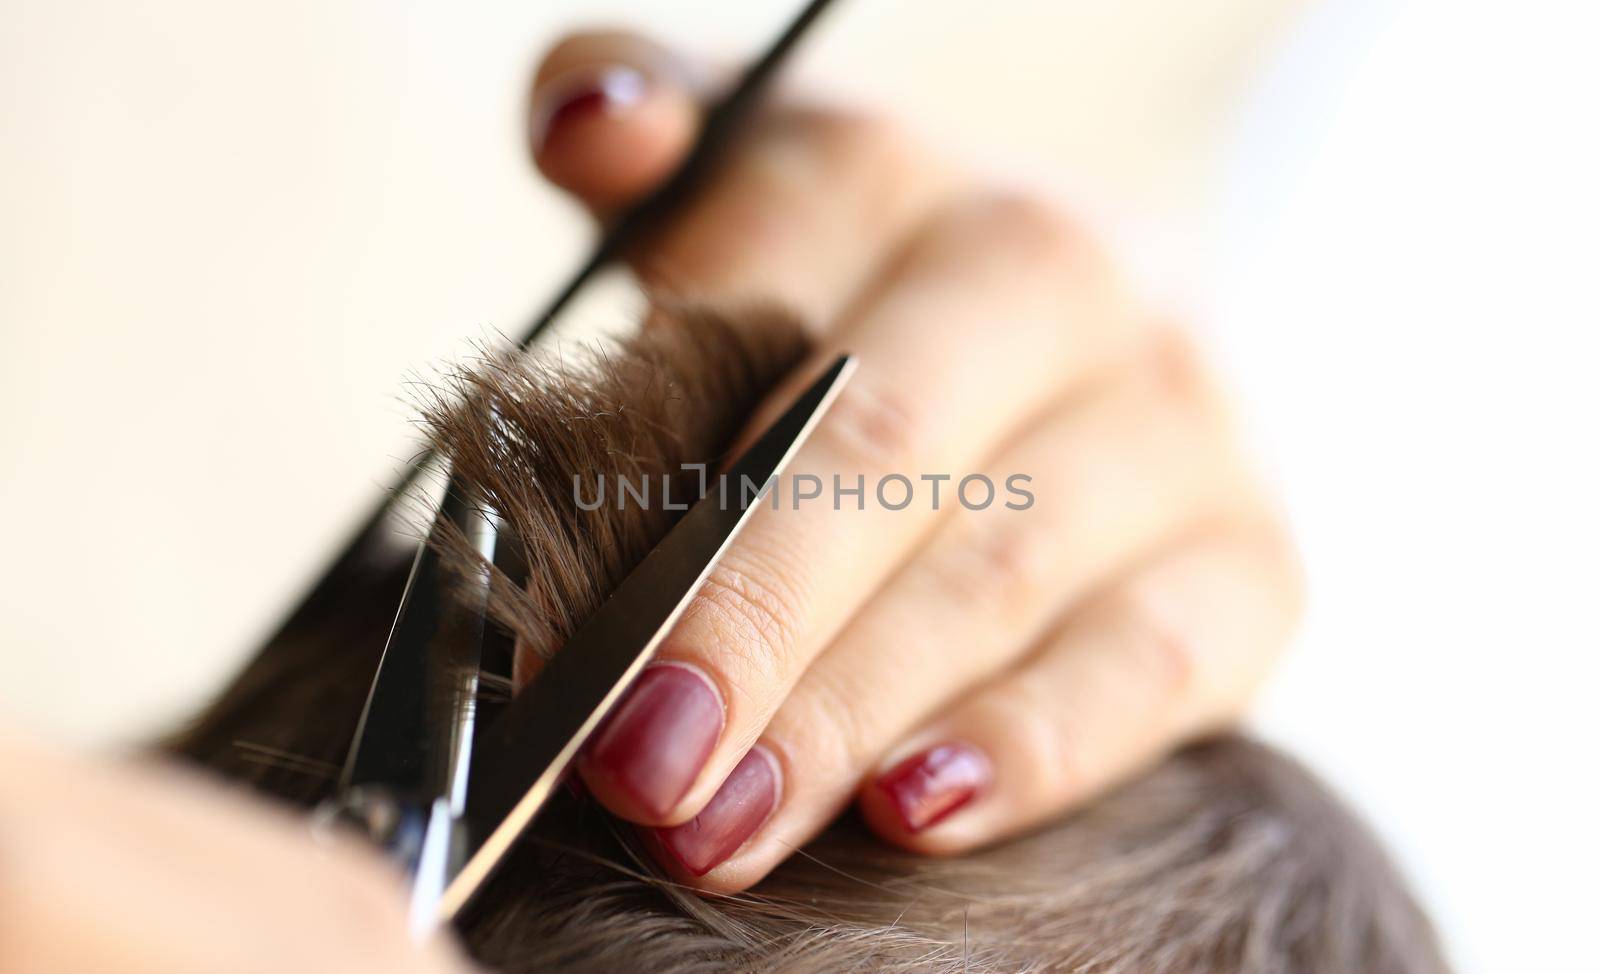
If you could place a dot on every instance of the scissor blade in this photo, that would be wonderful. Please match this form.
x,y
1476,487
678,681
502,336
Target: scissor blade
x,y
405,779
523,756
417,719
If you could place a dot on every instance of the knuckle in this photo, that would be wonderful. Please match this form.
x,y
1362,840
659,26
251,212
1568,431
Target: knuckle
x,y
838,731
1286,566
1176,363
756,615
1045,741
1021,227
1172,370
1159,656
875,426
1282,576
993,563
1293,576
1165,658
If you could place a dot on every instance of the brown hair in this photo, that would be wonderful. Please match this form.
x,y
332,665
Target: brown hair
x,y
1226,858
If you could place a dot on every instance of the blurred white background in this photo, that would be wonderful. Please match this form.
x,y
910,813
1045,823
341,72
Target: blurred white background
x,y
227,234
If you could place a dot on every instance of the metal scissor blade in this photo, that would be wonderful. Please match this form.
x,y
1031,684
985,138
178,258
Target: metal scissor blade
x,y
411,734
523,756
405,780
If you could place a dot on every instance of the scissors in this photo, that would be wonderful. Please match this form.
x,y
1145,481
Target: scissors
x,y
447,798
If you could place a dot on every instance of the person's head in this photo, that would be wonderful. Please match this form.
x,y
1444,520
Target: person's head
x,y
1226,857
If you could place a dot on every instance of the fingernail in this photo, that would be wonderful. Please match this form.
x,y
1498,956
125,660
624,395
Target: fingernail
x,y
654,744
927,788
588,94
739,807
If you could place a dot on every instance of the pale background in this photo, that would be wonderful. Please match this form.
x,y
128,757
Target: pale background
x,y
227,233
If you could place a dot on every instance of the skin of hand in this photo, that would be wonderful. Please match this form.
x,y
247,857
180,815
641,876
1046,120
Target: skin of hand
x,y
963,675
132,868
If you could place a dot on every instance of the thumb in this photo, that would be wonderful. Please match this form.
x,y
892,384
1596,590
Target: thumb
x,y
611,116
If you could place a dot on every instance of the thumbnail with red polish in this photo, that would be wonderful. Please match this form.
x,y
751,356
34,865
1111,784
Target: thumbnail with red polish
x,y
731,817
654,744
589,95
927,788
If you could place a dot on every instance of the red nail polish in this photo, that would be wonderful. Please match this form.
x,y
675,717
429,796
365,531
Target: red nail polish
x,y
739,807
927,788
654,744
586,95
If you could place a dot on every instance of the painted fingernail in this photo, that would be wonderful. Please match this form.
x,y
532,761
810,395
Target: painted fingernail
x,y
927,788
589,94
654,744
739,807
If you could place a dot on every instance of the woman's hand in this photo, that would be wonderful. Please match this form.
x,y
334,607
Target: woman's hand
x,y
963,673
115,868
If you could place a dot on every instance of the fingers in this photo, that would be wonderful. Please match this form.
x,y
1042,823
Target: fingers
x,y
992,336
1168,653
611,116
1108,480
795,575
801,211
